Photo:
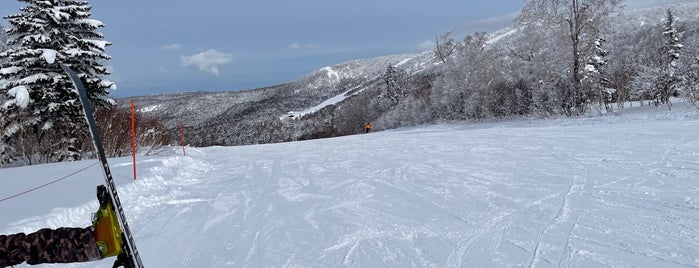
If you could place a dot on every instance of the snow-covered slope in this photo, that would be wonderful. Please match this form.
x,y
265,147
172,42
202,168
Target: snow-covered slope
x,y
612,191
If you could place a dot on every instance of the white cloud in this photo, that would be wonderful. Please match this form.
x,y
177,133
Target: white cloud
x,y
306,46
427,45
208,61
172,47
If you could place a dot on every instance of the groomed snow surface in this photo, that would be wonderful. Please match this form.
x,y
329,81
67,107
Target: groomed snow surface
x,y
620,190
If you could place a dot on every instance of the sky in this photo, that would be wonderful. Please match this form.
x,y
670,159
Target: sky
x,y
212,45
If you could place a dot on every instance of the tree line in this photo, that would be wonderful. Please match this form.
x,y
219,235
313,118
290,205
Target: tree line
x,y
566,58
558,60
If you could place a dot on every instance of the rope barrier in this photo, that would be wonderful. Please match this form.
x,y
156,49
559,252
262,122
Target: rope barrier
x,y
49,183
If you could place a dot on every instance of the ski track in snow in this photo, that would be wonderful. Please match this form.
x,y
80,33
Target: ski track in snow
x,y
576,193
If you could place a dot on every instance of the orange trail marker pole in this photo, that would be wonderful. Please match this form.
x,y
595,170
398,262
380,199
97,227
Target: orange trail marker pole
x,y
182,136
133,137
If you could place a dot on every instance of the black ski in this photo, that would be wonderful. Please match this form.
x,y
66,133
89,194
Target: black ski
x,y
129,247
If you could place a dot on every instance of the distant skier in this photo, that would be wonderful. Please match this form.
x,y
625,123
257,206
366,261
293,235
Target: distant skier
x,y
367,128
67,245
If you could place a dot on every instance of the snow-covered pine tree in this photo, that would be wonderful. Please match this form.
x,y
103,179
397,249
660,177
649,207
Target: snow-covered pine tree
x,y
391,78
40,97
673,44
597,60
4,147
3,38
585,20
668,80
595,75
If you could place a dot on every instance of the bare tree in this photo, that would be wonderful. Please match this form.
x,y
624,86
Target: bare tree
x,y
444,46
456,91
621,75
692,81
115,128
582,23
350,118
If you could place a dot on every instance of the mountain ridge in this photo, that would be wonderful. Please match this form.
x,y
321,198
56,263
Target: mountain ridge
x,y
316,101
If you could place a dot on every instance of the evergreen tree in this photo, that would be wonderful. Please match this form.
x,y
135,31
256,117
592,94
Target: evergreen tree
x,y
394,90
668,80
673,45
4,147
595,75
40,99
3,38
584,20
597,60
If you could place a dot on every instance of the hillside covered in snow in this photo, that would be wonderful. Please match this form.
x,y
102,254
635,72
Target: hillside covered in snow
x,y
513,73
618,190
